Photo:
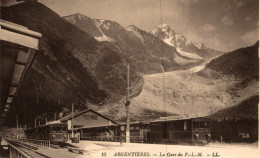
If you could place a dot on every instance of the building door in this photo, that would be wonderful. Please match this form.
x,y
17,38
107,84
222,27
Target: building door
x,y
164,130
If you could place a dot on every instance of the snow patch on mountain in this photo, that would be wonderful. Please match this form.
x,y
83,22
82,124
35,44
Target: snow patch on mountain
x,y
135,32
189,55
197,68
79,16
164,27
102,38
198,45
102,23
181,61
168,40
72,18
180,39
161,58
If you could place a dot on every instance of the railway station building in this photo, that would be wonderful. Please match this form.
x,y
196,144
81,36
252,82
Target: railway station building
x,y
91,125
88,118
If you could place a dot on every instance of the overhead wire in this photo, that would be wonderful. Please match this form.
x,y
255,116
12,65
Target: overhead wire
x,y
162,51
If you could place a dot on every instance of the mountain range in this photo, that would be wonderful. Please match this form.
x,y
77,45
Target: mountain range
x,y
83,61
176,51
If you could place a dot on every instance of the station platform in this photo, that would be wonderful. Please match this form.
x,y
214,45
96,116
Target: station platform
x,y
4,150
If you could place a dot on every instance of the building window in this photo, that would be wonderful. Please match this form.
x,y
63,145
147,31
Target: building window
x,y
185,126
122,128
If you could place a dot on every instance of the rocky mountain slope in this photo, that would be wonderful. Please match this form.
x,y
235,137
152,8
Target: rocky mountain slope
x,y
241,63
198,93
247,109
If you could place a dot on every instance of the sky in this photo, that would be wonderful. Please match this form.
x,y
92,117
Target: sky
x,y
223,25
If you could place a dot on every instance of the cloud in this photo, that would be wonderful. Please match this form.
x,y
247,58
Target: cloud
x,y
194,37
227,21
250,37
213,42
208,27
210,42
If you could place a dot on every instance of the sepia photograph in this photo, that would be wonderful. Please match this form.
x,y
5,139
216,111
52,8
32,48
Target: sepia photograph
x,y
129,78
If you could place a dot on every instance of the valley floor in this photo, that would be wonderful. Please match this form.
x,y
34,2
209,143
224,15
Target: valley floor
x,y
96,149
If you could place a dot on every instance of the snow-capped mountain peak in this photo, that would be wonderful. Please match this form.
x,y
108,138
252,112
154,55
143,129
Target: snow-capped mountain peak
x,y
131,28
177,40
102,23
169,36
165,28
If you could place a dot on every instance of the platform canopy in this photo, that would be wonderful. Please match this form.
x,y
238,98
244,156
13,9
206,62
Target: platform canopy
x,y
18,47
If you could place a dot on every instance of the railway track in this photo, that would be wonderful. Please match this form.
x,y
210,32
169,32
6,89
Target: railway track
x,y
29,150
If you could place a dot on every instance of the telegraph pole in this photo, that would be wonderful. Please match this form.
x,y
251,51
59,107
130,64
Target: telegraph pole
x,y
127,107
17,130
72,113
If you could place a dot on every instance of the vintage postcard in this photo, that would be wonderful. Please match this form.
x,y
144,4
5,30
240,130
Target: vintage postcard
x,y
129,78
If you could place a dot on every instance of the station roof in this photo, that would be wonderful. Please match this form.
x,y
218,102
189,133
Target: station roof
x,y
76,114
98,126
53,123
137,122
177,118
18,47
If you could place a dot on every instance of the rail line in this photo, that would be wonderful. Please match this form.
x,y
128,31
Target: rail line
x,y
26,150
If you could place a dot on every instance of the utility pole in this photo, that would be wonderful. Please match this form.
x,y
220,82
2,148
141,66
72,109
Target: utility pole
x,y
20,131
17,130
72,113
127,107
